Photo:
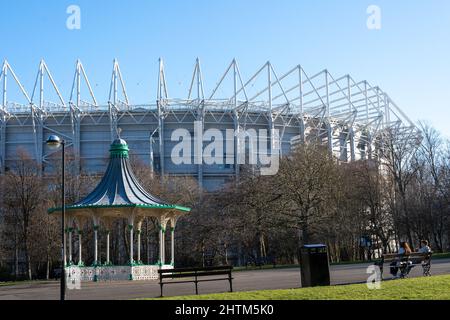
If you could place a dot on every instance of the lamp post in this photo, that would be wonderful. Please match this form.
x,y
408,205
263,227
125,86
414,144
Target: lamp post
x,y
54,142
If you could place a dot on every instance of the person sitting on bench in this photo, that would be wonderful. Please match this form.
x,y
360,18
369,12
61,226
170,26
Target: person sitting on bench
x,y
425,248
403,253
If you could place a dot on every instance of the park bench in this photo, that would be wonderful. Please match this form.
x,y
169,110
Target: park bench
x,y
261,262
187,275
407,262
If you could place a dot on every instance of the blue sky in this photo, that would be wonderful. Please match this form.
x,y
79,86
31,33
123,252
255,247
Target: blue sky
x,y
408,57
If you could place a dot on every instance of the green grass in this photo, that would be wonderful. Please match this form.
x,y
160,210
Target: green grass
x,y
287,266
266,266
436,256
424,288
441,255
13,283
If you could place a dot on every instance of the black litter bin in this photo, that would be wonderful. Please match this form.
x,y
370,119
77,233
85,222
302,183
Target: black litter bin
x,y
314,265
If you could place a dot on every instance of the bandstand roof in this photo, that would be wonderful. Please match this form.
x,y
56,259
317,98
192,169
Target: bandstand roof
x,y
120,189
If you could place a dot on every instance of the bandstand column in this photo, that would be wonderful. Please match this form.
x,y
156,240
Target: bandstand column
x,y
107,247
138,245
80,256
70,245
162,232
130,227
65,247
172,245
95,245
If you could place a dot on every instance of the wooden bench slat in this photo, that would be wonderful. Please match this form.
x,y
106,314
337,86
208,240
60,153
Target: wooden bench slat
x,y
204,280
195,269
172,282
193,274
178,275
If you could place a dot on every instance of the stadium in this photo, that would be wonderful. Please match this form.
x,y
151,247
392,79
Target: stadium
x,y
346,115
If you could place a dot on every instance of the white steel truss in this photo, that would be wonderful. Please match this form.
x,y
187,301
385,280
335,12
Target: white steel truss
x,y
346,115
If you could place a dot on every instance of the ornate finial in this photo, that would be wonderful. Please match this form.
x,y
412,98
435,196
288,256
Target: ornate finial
x,y
119,131
119,149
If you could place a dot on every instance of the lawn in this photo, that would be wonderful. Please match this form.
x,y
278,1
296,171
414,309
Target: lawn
x,y
436,256
13,283
424,288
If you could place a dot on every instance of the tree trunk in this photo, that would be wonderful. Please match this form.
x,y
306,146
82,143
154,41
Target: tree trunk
x,y
304,234
47,274
16,261
29,269
226,254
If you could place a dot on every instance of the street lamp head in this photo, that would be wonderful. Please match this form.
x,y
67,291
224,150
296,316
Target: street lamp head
x,y
54,142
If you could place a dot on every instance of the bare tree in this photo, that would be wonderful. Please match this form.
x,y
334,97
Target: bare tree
x,y
430,195
397,152
23,194
306,180
372,188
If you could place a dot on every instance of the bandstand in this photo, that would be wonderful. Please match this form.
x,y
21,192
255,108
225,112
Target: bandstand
x,y
118,195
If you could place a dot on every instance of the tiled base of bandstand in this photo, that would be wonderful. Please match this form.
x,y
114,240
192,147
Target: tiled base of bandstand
x,y
113,273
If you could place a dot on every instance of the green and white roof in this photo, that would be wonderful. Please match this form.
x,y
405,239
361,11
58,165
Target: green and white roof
x,y
119,187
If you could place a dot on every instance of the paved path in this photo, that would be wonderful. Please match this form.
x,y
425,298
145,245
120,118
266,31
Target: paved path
x,y
243,281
